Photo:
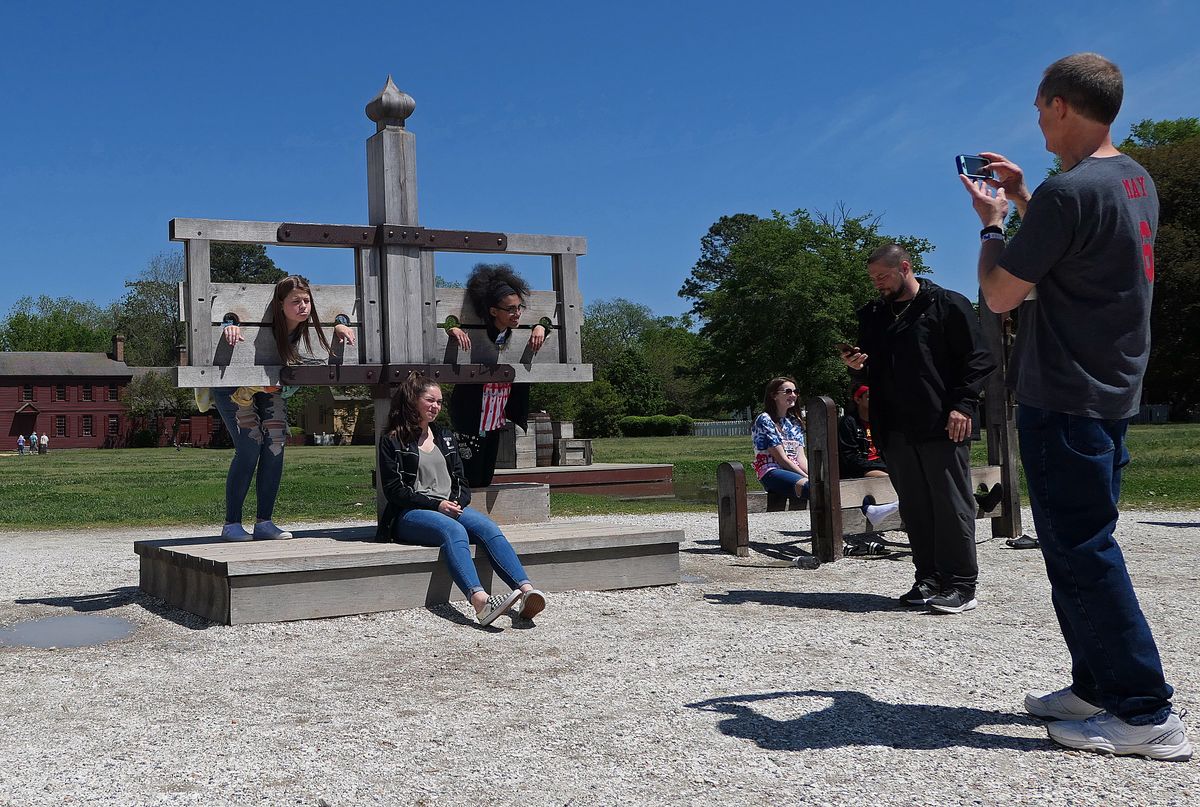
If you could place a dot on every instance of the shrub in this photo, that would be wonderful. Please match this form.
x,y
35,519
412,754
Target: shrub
x,y
655,425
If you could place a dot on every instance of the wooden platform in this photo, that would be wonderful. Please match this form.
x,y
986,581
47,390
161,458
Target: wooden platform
x,y
604,478
337,572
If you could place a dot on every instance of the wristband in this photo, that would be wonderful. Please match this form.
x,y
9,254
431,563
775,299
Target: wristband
x,y
991,237
341,319
451,323
991,228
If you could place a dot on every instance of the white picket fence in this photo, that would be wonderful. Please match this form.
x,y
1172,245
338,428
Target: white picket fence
x,y
721,428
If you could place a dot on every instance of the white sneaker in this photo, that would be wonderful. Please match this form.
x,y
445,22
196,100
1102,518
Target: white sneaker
x,y
235,532
266,530
1061,705
533,602
1109,734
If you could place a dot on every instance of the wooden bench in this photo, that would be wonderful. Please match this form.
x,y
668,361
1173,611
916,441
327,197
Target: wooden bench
x,y
343,571
831,522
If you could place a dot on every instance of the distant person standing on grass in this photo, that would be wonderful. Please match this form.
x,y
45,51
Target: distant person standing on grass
x,y
1086,244
44,446
33,442
20,445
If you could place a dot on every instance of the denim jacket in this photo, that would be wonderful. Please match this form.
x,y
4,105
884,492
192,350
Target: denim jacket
x,y
397,463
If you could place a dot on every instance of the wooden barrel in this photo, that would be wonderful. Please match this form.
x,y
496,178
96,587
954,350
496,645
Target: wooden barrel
x,y
539,423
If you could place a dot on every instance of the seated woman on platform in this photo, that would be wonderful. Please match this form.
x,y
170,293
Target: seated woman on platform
x,y
428,503
256,417
778,436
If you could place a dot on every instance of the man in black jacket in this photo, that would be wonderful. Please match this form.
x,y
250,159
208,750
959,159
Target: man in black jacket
x,y
926,365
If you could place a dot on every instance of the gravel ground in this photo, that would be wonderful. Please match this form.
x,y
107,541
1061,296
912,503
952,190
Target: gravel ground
x,y
752,682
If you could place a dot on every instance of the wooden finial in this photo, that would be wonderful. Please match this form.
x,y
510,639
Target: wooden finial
x,y
391,106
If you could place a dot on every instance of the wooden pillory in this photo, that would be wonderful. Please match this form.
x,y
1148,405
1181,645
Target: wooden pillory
x,y
830,520
399,316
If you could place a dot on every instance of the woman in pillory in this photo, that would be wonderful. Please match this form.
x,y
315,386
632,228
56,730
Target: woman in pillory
x,y
478,412
256,417
428,503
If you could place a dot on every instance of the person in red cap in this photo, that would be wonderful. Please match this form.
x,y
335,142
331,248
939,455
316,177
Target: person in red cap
x,y
857,454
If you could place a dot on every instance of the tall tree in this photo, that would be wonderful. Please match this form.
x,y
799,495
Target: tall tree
x,y
243,263
149,316
58,324
1173,375
152,396
780,296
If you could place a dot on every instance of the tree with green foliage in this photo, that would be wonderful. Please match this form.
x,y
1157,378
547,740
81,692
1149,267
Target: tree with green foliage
x,y
149,312
600,411
58,324
774,296
1170,152
243,263
152,396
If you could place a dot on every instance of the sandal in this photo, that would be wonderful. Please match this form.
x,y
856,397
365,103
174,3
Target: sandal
x,y
1023,542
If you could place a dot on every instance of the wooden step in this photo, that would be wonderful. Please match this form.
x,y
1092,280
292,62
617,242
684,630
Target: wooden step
x,y
342,571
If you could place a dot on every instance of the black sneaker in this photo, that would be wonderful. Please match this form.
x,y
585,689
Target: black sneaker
x,y
952,602
988,499
919,594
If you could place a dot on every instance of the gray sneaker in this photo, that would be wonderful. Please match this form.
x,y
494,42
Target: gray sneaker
x,y
1061,705
496,605
235,532
266,530
1109,734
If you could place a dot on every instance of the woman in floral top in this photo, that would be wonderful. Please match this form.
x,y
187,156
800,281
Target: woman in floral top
x,y
778,436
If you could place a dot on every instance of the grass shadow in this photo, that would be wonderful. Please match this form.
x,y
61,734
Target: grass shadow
x,y
855,719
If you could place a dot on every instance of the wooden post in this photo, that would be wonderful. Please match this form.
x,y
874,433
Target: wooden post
x,y
396,273
199,301
1000,421
732,522
825,495
570,302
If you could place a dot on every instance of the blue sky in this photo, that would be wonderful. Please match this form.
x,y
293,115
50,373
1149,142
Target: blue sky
x,y
636,125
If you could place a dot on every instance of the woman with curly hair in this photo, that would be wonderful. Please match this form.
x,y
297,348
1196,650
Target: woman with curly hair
x,y
478,412
428,503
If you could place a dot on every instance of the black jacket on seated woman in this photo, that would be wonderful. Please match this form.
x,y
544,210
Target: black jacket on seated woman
x,y
398,463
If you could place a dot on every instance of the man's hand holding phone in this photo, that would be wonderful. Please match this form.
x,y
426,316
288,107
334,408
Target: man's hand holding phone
x,y
852,356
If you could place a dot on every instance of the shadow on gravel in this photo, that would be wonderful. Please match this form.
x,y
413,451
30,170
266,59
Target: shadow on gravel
x,y
1186,525
118,597
850,602
855,719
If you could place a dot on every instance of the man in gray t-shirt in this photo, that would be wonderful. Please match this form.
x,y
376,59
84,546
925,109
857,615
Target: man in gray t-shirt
x,y
1086,244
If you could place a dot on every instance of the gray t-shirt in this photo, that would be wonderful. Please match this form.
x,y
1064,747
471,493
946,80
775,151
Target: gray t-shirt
x,y
1087,241
433,477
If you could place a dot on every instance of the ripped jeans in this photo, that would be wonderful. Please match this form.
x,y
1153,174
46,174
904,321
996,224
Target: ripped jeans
x,y
259,431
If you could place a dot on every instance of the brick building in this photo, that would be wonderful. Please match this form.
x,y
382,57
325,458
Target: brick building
x,y
76,398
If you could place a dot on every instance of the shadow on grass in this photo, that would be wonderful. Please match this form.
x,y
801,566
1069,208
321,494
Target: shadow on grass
x,y
117,598
845,601
856,719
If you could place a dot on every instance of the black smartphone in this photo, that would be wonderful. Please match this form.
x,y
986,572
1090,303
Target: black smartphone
x,y
973,166
845,348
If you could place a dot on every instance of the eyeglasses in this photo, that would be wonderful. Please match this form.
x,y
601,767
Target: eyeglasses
x,y
512,309
788,391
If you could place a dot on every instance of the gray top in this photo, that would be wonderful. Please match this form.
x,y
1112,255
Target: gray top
x,y
1087,241
433,477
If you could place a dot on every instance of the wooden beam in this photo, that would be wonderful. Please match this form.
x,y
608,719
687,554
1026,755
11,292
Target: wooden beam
x,y
566,286
1000,424
197,270
733,527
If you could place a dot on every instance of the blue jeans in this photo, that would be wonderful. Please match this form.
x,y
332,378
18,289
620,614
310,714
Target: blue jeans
x,y
1073,465
432,528
783,482
259,432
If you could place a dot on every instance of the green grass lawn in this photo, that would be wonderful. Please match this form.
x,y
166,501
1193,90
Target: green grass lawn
x,y
163,486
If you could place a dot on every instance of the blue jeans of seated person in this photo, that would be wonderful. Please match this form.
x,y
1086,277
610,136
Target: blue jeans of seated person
x,y
783,482
1073,465
432,528
259,432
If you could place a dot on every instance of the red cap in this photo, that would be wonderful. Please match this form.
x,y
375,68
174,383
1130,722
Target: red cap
x,y
862,390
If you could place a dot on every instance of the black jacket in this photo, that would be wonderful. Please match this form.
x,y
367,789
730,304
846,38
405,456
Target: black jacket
x,y
398,471
466,402
923,362
854,447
